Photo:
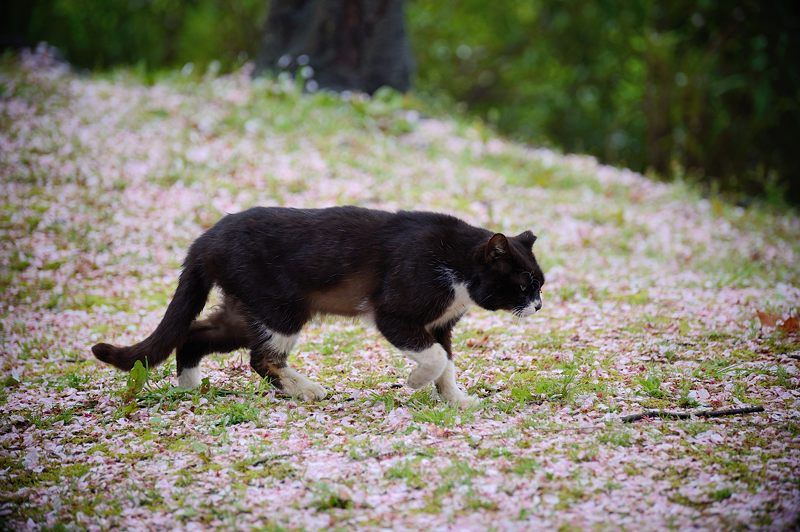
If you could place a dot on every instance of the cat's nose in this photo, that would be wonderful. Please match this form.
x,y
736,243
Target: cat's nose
x,y
537,304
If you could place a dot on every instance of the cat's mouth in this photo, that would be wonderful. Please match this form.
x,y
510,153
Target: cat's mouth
x,y
528,310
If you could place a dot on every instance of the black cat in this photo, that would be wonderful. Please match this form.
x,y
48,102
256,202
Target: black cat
x,y
413,274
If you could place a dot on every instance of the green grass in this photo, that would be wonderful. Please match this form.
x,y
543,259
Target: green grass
x,y
387,398
525,466
235,412
721,494
326,498
532,386
458,473
409,472
617,437
56,475
651,385
444,415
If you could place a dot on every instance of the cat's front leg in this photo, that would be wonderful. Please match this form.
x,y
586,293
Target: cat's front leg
x,y
446,385
448,389
417,344
431,362
295,384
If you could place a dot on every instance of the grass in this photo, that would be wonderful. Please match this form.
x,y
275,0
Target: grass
x,y
721,494
387,399
526,466
235,412
49,476
325,498
426,409
651,385
532,387
459,473
616,437
409,472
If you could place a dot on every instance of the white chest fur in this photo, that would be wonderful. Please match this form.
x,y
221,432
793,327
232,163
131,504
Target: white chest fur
x,y
460,304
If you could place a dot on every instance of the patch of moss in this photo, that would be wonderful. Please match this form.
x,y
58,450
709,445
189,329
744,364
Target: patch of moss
x,y
56,475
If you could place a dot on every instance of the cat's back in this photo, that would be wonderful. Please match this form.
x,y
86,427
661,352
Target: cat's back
x,y
335,231
291,223
424,229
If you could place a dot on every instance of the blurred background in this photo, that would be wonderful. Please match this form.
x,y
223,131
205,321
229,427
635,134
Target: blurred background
x,y
704,91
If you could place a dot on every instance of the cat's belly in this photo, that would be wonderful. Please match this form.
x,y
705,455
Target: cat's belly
x,y
350,297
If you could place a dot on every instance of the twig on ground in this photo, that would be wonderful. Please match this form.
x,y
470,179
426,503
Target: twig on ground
x,y
270,458
589,428
686,415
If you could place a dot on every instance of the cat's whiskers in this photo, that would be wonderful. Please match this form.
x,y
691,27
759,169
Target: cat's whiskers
x,y
484,299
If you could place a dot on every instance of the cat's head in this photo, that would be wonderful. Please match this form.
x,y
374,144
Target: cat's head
x,y
508,276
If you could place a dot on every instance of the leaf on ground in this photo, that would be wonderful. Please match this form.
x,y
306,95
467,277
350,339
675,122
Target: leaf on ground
x,y
472,342
767,319
137,378
776,321
790,325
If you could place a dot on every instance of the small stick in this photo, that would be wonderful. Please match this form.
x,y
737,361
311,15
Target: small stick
x,y
589,428
686,415
269,459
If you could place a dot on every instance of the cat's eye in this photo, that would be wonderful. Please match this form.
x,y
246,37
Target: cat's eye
x,y
523,287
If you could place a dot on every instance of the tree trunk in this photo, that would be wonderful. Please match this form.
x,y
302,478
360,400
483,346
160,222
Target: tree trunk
x,y
358,45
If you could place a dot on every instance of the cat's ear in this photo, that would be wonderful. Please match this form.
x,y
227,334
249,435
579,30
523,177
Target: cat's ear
x,y
526,238
496,247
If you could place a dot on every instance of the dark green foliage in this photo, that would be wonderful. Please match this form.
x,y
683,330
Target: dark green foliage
x,y
151,33
706,90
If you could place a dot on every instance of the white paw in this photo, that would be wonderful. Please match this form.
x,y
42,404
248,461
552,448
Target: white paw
x,y
311,391
296,385
190,377
462,400
450,392
420,376
431,363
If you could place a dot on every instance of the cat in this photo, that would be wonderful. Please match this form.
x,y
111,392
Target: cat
x,y
413,274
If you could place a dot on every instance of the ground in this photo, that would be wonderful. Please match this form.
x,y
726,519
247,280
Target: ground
x,y
651,301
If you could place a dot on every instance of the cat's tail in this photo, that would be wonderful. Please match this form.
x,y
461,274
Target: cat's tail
x,y
186,304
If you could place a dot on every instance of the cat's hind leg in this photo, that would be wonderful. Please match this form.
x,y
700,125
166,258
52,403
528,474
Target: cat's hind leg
x,y
224,331
270,345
